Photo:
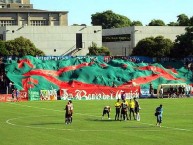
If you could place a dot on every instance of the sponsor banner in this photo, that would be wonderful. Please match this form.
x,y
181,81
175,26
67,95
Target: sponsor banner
x,y
48,94
53,57
188,59
5,98
136,59
141,59
98,93
144,93
34,95
23,96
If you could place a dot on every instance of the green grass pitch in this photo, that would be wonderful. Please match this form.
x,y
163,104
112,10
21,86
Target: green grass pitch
x,y
42,123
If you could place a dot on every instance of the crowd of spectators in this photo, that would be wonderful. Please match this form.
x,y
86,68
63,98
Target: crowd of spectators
x,y
5,85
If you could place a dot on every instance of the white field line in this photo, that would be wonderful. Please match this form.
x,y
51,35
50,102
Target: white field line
x,y
9,121
64,129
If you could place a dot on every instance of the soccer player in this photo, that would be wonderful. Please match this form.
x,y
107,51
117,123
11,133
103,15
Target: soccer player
x,y
71,108
124,107
68,113
106,110
131,109
137,107
159,112
117,107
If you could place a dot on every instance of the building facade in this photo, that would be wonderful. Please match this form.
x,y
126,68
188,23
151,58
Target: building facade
x,y
48,30
121,41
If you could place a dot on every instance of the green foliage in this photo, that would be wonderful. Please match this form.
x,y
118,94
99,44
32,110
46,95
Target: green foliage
x,y
153,47
173,24
108,19
191,21
79,25
136,23
183,20
3,50
94,50
21,47
155,22
183,45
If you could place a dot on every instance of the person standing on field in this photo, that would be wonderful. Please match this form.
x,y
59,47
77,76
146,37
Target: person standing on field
x,y
124,108
161,92
131,109
71,108
118,108
158,114
69,111
137,108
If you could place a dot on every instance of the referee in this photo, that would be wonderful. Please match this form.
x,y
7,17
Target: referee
x,y
117,107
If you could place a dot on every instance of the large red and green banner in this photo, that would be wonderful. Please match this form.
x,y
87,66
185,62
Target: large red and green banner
x,y
88,77
96,93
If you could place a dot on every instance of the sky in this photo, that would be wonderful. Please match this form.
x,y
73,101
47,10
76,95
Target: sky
x,y
80,11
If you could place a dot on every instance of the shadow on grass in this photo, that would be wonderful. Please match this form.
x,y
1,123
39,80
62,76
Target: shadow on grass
x,y
100,120
107,120
140,127
129,123
47,123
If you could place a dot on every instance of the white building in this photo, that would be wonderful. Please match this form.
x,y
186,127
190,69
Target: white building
x,y
48,30
121,41
57,40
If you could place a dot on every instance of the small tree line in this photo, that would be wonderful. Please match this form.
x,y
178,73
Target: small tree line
x,y
162,47
108,19
19,47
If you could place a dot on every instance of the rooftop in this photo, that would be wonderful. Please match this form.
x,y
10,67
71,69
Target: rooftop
x,y
8,10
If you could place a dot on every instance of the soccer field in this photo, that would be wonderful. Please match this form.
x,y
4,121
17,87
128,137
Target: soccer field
x,y
42,123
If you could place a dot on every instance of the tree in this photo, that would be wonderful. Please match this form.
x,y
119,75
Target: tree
x,y
75,25
183,20
3,50
155,22
173,24
183,45
136,23
94,50
21,47
153,47
108,19
191,21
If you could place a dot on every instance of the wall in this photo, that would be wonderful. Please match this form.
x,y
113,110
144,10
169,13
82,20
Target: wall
x,y
56,40
119,47
138,33
169,32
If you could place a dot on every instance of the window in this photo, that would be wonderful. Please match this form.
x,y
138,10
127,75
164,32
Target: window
x,y
115,38
17,1
38,23
9,1
7,23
